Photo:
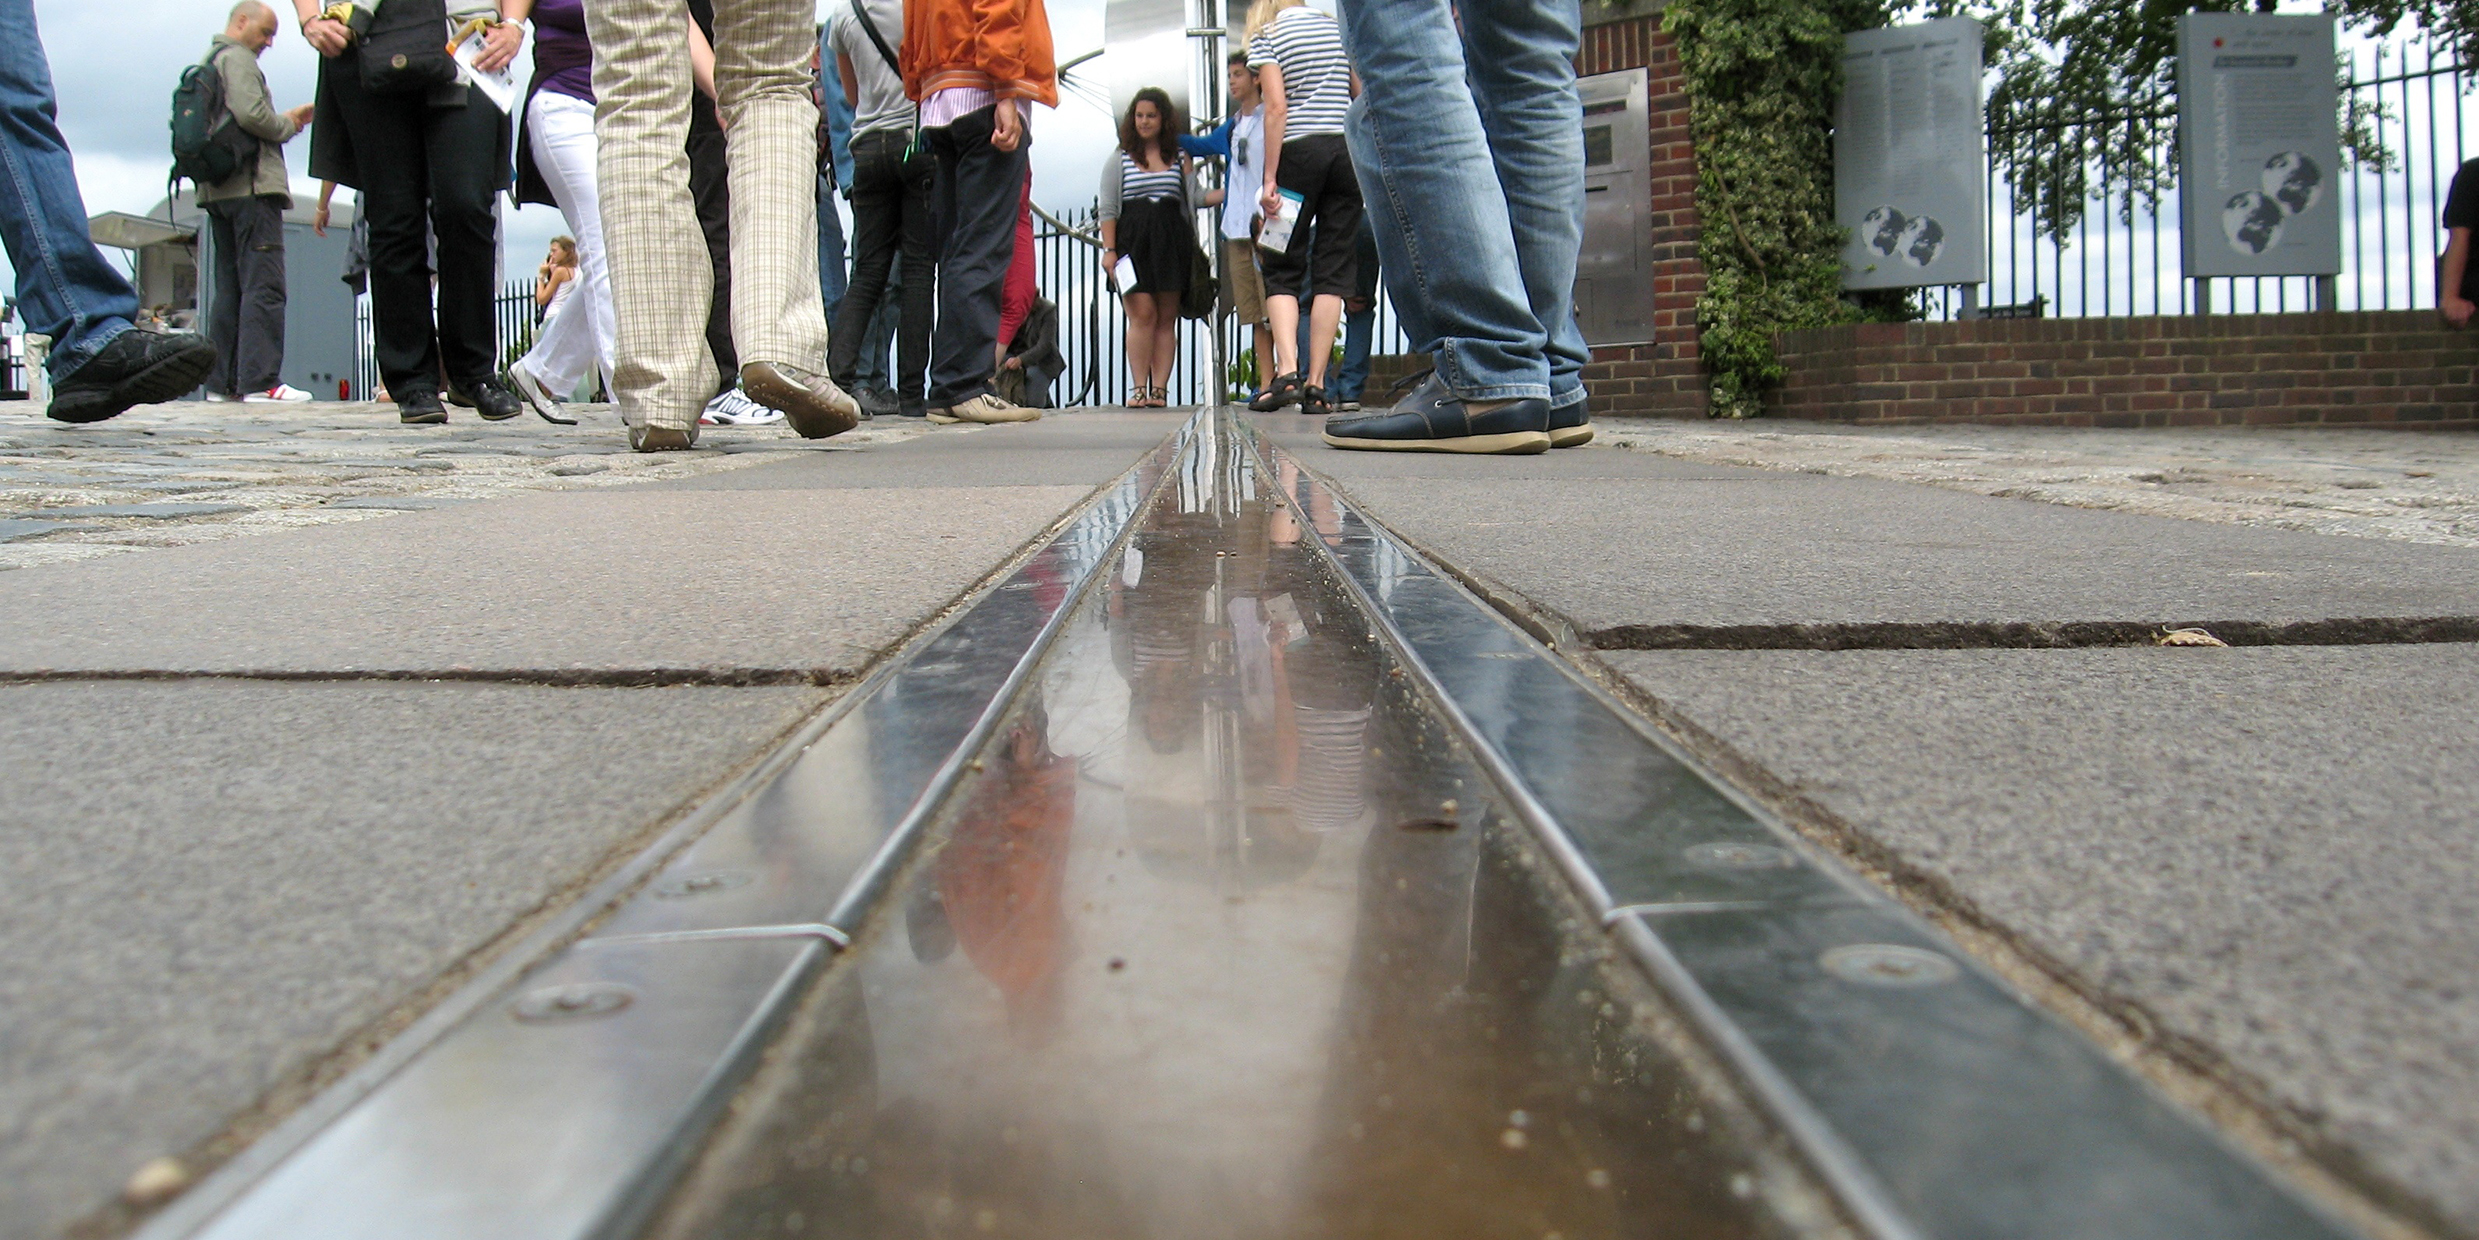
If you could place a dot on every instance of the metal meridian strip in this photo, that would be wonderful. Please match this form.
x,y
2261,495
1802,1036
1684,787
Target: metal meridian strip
x,y
556,1093
1933,1098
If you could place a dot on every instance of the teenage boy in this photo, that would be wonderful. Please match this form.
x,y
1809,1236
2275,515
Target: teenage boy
x,y
891,182
975,66
1241,140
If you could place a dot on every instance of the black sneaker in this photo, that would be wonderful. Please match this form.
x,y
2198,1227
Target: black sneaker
x,y
1433,419
489,397
1283,393
1571,427
138,367
876,403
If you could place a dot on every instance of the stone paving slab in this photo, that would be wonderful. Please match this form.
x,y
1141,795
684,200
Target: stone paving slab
x,y
581,582
1078,446
1618,552
2268,851
281,467
2419,486
214,883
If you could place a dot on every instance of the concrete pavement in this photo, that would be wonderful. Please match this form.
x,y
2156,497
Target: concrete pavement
x,y
269,796
2261,859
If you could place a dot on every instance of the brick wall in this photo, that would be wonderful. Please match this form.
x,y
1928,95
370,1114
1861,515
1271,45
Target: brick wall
x,y
1666,377
2393,368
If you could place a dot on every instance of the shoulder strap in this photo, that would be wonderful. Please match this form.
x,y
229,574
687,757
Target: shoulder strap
x,y
876,39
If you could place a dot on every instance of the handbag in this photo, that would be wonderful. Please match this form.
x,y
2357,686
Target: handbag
x,y
1197,301
404,52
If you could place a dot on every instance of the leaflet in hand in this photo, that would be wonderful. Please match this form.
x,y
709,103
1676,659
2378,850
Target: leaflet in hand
x,y
1276,235
1123,274
500,86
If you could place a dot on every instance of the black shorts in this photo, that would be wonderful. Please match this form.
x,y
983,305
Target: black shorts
x,y
1318,168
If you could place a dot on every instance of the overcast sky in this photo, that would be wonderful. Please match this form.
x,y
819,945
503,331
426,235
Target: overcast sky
x,y
115,65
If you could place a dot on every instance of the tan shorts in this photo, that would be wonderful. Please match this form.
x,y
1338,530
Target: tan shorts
x,y
1239,274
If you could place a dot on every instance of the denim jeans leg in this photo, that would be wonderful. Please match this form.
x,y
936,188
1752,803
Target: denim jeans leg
x,y
1358,330
833,280
881,337
1426,169
1522,54
223,319
66,289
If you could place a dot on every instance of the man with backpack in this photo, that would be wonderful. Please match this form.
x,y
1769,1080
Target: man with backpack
x,y
245,207
100,363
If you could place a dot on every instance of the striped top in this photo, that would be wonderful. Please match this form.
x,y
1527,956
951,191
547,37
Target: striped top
x,y
1316,76
1135,182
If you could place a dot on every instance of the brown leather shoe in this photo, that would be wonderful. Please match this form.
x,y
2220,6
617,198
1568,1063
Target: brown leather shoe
x,y
662,438
811,403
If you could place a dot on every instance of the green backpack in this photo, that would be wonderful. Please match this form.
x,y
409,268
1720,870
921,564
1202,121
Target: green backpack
x,y
208,146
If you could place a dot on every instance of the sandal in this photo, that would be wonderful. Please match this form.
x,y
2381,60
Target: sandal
x,y
1161,397
1283,393
1313,402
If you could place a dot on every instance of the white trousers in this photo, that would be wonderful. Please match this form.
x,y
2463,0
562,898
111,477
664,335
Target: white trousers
x,y
583,331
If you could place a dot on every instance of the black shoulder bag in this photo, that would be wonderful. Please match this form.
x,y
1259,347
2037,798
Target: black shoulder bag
x,y
405,50
894,66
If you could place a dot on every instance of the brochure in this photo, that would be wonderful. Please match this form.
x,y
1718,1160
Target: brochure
x,y
1276,235
500,87
1123,274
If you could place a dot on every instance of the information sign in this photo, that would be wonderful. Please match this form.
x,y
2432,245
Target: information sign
x,y
1910,157
2259,145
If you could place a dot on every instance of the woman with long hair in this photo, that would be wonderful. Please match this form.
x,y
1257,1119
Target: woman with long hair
x,y
1147,185
1307,85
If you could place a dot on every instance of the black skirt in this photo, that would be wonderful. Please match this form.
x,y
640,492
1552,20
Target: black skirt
x,y
1158,236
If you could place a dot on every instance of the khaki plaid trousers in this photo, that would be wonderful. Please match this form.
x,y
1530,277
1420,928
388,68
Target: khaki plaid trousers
x,y
661,277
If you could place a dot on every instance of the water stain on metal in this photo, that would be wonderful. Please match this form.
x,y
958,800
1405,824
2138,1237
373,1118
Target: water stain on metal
x,y
574,1001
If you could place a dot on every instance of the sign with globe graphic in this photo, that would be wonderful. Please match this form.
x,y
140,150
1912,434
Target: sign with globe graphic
x,y
2259,143
1910,157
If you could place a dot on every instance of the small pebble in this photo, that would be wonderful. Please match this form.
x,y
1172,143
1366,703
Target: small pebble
x,y
159,1180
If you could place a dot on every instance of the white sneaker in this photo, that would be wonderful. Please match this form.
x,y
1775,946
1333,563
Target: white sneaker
x,y
221,399
734,409
284,393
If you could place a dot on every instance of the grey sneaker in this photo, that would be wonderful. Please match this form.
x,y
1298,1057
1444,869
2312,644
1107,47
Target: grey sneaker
x,y
811,403
662,438
985,408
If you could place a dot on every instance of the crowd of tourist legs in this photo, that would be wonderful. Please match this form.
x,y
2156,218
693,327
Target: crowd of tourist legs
x,y
1431,144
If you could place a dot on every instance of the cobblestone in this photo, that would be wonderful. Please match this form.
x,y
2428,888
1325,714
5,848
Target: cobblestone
x,y
189,471
2408,485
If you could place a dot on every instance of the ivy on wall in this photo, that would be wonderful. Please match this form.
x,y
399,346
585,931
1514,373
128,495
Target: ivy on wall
x,y
1762,78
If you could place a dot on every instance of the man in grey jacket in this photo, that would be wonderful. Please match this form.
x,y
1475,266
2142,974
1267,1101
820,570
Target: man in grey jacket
x,y
246,213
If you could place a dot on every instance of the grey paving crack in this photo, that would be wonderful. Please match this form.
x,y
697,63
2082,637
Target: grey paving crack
x,y
2030,635
558,678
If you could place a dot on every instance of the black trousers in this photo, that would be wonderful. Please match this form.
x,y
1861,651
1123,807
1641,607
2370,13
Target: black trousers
x,y
979,191
710,186
426,170
246,320
890,217
1318,168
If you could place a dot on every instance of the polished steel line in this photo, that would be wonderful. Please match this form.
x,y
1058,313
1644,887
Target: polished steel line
x,y
1846,1176
831,934
1853,1177
230,1182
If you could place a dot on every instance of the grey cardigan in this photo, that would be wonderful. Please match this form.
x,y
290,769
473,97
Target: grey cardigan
x,y
1113,171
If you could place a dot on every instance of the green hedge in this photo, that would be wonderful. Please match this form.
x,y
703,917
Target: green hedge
x,y
1762,79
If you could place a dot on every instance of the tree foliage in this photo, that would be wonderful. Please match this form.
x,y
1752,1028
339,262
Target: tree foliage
x,y
1762,78
2085,100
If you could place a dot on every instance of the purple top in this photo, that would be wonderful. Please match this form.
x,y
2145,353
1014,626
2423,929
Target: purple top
x,y
563,59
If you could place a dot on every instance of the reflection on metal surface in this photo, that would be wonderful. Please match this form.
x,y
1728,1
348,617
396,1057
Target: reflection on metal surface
x,y
1932,1098
1171,966
570,1119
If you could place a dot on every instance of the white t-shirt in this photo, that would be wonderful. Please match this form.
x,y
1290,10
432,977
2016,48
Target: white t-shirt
x,y
1247,175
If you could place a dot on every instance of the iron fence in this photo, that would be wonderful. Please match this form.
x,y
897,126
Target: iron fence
x,y
513,322
2123,256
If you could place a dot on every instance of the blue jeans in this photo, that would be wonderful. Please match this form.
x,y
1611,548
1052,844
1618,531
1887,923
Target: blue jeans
x,y
832,279
1473,170
66,289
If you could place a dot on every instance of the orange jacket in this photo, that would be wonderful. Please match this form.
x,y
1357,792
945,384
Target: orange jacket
x,y
1002,46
